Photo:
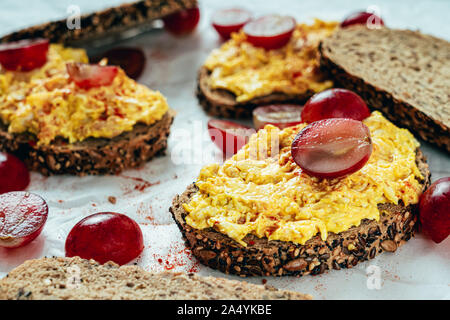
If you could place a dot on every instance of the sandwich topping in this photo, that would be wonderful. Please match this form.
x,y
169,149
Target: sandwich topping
x,y
48,102
249,71
262,191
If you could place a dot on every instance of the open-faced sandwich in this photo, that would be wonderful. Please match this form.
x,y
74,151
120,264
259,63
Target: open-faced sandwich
x,y
271,60
325,194
61,114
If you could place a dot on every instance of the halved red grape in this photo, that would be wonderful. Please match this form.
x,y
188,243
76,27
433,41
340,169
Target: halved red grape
x,y
335,103
106,236
279,115
22,218
24,55
332,148
182,22
434,207
87,76
14,175
270,32
131,60
370,19
228,136
228,21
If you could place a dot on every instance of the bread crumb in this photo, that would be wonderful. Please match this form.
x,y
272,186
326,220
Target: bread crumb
x,y
112,199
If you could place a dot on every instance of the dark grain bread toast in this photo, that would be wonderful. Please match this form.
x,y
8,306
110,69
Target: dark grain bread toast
x,y
113,20
78,279
403,73
222,103
94,155
280,258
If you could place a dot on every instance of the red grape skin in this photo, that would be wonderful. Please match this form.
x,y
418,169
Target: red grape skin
x,y
335,103
279,34
87,76
434,210
14,175
22,218
106,236
24,55
131,60
230,20
332,148
280,115
183,22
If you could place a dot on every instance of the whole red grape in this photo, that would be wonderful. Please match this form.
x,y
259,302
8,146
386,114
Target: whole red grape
x,y
106,236
434,208
14,175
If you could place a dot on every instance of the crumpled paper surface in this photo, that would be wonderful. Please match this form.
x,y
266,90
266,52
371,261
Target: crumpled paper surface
x,y
418,270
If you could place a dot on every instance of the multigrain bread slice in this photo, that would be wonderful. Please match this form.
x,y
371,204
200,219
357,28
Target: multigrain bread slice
x,y
280,258
92,156
114,20
79,279
222,103
403,73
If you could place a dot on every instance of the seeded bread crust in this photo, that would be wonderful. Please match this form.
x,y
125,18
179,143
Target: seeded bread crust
x,y
280,258
109,21
222,103
49,279
400,72
93,156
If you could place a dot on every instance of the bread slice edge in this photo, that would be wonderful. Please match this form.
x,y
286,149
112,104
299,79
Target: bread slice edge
x,y
80,279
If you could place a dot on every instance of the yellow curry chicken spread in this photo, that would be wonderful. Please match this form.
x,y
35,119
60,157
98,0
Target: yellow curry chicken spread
x,y
46,103
249,71
265,193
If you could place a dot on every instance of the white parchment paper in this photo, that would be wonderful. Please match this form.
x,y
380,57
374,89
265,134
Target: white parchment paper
x,y
418,270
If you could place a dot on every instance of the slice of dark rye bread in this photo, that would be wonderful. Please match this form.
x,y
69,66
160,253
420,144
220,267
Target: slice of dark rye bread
x,y
92,156
222,103
280,258
79,279
403,73
114,20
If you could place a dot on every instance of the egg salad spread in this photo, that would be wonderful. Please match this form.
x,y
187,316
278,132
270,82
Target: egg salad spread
x,y
262,191
46,103
250,72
